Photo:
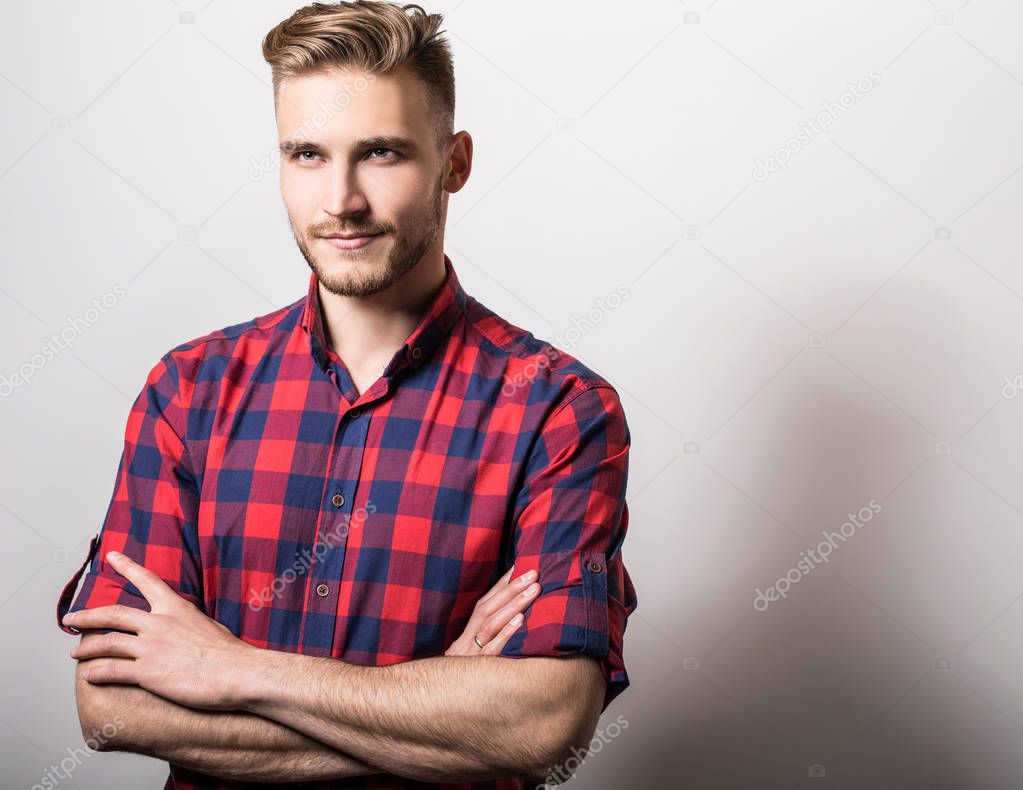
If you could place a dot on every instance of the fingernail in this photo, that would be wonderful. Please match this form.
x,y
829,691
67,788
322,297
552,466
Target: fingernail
x,y
68,618
527,577
113,555
517,619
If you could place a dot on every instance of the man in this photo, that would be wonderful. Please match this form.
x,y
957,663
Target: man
x,y
318,561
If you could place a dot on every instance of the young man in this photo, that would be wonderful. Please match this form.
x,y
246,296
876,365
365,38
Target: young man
x,y
327,518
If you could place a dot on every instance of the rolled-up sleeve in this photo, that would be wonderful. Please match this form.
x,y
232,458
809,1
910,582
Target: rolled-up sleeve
x,y
570,520
153,511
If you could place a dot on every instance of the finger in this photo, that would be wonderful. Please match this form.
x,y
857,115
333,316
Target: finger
x,y
152,587
497,620
485,621
496,645
123,618
500,595
118,670
500,584
112,644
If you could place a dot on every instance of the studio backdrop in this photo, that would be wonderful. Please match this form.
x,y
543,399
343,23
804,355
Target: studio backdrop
x,y
787,233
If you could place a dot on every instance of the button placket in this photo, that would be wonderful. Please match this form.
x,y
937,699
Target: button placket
x,y
335,523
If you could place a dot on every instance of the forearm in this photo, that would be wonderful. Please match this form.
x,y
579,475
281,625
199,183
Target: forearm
x,y
433,719
230,745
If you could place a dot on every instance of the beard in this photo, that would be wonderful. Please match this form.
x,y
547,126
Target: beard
x,y
410,245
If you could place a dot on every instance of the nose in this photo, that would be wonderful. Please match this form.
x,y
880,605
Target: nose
x,y
344,195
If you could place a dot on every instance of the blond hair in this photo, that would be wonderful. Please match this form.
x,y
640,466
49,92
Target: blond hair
x,y
377,37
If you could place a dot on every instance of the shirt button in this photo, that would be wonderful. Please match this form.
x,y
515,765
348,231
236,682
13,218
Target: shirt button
x,y
596,567
354,414
417,352
337,500
322,590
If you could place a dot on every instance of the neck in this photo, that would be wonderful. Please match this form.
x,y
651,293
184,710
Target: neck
x,y
366,331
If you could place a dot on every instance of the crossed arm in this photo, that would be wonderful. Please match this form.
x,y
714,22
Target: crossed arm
x,y
228,744
221,705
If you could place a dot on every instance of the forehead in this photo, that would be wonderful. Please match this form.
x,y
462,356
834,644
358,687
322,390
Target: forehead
x,y
348,104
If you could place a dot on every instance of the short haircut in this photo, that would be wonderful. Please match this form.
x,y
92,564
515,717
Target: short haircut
x,y
376,37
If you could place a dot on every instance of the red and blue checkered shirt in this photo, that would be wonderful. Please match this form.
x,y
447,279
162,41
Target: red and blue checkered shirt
x,y
305,517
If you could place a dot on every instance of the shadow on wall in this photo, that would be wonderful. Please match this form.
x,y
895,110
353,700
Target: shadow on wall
x,y
840,683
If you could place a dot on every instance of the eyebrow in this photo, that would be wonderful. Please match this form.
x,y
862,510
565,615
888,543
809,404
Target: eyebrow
x,y
290,146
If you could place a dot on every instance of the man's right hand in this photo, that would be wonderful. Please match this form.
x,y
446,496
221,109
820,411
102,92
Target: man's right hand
x,y
496,616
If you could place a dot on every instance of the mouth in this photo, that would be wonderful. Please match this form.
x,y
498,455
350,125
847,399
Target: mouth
x,y
349,241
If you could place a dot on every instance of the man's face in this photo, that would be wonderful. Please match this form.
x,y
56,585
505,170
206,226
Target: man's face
x,y
359,159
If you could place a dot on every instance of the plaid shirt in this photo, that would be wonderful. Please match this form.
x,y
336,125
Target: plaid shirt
x,y
305,517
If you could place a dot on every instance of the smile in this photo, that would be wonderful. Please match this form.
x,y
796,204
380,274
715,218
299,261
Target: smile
x,y
353,243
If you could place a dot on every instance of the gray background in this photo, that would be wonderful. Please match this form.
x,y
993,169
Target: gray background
x,y
791,348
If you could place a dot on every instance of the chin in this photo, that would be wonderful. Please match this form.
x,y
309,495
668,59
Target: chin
x,y
344,266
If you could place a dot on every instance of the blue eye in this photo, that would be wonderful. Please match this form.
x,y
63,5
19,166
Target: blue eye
x,y
311,156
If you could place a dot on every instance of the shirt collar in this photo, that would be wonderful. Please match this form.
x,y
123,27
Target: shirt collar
x,y
444,310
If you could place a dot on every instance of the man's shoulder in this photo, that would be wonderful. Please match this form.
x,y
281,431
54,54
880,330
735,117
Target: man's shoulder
x,y
227,341
529,362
